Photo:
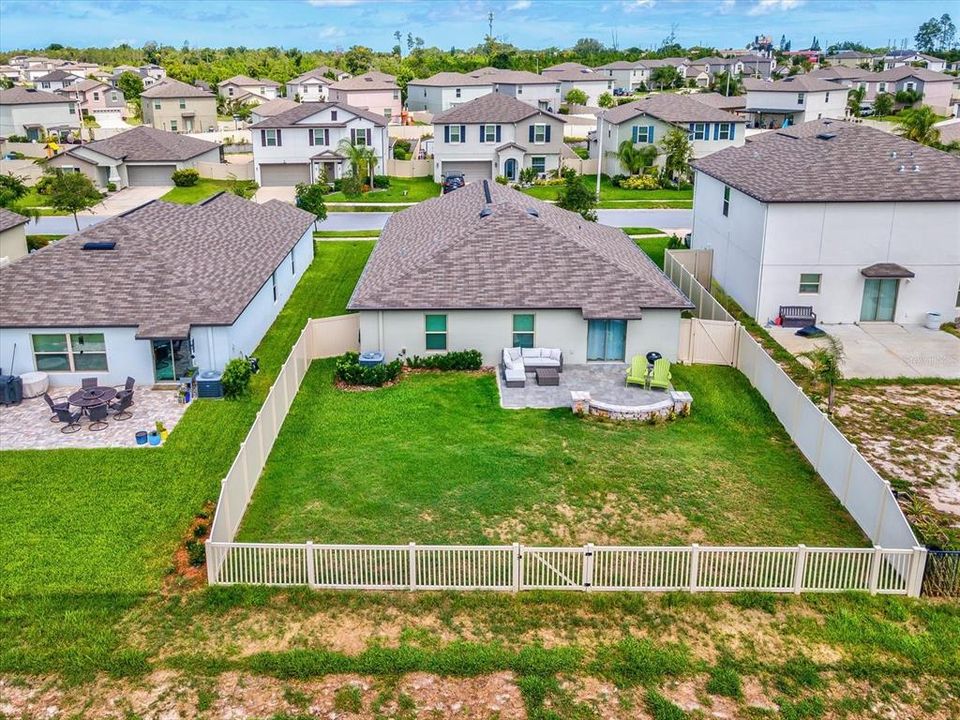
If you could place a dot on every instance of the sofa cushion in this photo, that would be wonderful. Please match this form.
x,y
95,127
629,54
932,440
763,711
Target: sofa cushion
x,y
554,354
531,352
542,362
513,353
514,373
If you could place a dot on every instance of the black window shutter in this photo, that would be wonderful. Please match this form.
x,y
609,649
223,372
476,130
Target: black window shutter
x,y
463,133
547,131
310,136
483,129
531,133
326,137
446,133
263,138
498,133
369,137
279,138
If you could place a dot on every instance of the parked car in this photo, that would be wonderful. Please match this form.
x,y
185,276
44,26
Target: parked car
x,y
619,92
452,182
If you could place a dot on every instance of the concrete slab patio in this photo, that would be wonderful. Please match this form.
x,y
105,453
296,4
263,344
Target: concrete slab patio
x,y
27,426
604,382
885,350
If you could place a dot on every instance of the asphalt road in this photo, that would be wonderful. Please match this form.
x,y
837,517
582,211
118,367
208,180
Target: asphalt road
x,y
63,225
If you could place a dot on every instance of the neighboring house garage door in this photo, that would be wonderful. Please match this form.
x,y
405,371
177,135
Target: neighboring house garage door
x,y
472,170
140,175
284,175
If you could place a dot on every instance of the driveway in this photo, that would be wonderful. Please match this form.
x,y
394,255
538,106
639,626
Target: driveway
x,y
885,350
126,199
284,194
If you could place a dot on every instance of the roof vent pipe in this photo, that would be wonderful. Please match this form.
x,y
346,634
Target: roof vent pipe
x,y
486,192
902,168
916,168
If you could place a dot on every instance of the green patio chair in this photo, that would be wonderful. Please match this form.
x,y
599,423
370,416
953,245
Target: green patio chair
x,y
661,374
637,374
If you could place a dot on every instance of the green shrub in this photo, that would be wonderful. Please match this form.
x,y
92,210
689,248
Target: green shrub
x,y
111,187
502,180
235,378
350,371
454,360
640,182
18,138
187,177
196,553
381,181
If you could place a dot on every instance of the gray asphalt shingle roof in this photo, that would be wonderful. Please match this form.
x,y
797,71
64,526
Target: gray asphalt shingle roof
x,y
857,164
173,267
494,107
170,88
294,116
372,80
796,83
146,144
523,254
671,108
246,81
10,219
25,96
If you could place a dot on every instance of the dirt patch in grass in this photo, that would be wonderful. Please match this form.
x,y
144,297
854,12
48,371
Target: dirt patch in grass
x,y
911,435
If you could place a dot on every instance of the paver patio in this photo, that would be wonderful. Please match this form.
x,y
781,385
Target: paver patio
x,y
27,426
604,382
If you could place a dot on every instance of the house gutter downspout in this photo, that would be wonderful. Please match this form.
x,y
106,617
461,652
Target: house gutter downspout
x,y
599,154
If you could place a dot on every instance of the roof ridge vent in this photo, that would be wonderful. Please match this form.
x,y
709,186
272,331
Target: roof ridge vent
x,y
533,212
916,168
486,212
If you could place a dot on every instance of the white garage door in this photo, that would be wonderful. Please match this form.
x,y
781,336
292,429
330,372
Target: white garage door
x,y
140,175
284,175
472,169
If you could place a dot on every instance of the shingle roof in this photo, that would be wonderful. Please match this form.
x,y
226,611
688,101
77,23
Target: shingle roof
x,y
523,254
617,65
584,74
84,85
562,67
905,71
520,77
275,107
25,96
796,83
368,81
173,267
671,108
170,88
146,144
56,76
10,219
663,62
949,131
722,102
293,116
857,164
837,72
453,79
244,81
495,107
318,73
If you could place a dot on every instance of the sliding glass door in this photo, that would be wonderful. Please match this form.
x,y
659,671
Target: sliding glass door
x,y
171,359
606,340
879,300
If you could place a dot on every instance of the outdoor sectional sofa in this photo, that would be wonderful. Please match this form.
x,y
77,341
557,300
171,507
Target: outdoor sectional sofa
x,y
517,362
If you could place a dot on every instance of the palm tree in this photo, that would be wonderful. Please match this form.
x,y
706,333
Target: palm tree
x,y
362,159
917,124
854,99
826,364
634,159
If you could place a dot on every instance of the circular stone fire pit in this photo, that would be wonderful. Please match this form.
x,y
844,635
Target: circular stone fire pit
x,y
675,402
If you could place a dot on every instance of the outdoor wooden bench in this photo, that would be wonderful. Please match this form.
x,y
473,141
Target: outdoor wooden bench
x,y
797,315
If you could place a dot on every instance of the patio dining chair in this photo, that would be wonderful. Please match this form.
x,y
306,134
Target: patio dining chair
x,y
98,417
60,403
121,404
87,383
70,419
127,387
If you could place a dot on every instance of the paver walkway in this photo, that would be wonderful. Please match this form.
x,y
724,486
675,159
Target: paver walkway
x,y
604,382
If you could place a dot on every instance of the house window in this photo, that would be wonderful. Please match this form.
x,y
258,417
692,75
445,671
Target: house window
x,y
455,92
882,87
826,97
71,108
436,330
230,91
270,137
173,126
539,164
454,133
70,352
519,89
643,134
726,200
333,115
723,133
113,97
523,330
800,98
156,104
911,86
45,85
96,95
387,113
862,86
319,136
699,131
810,283
273,284
539,133
358,136
396,94
183,104
489,133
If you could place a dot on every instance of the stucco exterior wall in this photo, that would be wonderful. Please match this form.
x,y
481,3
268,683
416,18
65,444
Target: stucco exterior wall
x,y
489,331
15,118
435,99
376,101
814,105
539,95
13,244
204,111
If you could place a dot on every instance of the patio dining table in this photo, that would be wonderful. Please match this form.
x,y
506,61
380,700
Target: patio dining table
x,y
88,397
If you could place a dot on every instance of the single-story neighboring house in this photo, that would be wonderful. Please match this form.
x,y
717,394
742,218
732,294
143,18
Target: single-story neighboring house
x,y
487,267
155,291
139,156
859,224
13,236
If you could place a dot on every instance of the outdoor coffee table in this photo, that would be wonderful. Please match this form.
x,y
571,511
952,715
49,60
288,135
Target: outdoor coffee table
x,y
547,376
89,397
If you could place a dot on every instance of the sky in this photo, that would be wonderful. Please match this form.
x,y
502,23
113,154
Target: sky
x,y
333,24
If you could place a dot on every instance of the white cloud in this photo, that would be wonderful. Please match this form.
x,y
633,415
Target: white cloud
x,y
520,5
330,31
727,6
332,3
638,5
768,6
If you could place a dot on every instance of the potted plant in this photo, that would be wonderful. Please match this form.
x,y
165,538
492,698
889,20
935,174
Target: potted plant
x,y
162,431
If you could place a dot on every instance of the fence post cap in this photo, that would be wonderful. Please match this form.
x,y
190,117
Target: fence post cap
x,y
877,547
223,482
411,543
695,545
802,546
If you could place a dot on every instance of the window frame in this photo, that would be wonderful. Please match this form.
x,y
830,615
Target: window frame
x,y
70,352
358,133
806,283
273,284
540,130
456,93
451,134
157,105
432,334
267,137
542,159
699,131
723,131
183,103
489,137
293,262
801,98
531,332
173,126
643,135
726,200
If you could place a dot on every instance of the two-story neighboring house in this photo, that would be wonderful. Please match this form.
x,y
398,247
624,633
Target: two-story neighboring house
x,y
55,80
794,100
574,76
647,121
36,113
904,58
248,90
373,91
935,88
301,145
312,86
539,91
853,59
860,224
445,90
626,75
496,135
97,99
756,66
175,106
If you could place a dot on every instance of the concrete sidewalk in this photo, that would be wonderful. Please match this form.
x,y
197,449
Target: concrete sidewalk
x,y
885,350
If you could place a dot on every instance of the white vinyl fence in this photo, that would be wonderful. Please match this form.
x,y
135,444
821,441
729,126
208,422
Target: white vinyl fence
x,y
707,307
514,568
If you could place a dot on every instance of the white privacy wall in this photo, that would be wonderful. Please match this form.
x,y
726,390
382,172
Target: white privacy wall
x,y
489,331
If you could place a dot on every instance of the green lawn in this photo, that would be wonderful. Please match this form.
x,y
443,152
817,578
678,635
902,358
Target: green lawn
x,y
654,247
205,187
435,459
642,231
401,190
109,520
33,199
611,194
